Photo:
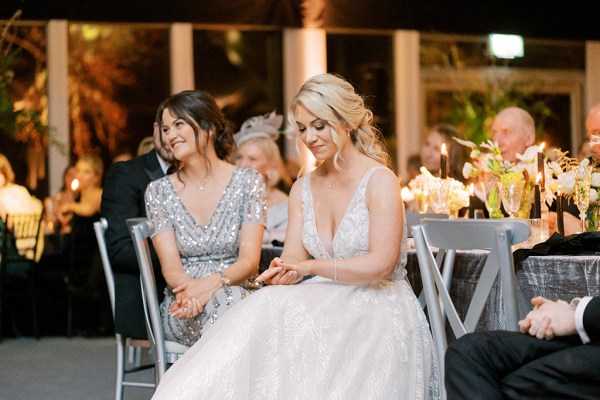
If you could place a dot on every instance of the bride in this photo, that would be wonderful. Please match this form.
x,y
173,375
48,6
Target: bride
x,y
355,329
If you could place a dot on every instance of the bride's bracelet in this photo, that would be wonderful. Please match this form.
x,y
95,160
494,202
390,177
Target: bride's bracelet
x,y
335,270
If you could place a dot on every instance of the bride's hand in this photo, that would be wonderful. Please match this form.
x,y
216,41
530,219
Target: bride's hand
x,y
279,273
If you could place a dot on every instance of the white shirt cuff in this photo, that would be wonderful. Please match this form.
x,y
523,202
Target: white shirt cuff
x,y
579,318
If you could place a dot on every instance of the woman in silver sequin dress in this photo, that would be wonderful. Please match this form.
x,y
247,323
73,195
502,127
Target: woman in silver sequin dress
x,y
208,217
353,331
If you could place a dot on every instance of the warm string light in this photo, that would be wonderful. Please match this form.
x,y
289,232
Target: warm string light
x,y
75,184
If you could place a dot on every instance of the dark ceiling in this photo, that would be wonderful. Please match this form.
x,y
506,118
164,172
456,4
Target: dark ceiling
x,y
532,18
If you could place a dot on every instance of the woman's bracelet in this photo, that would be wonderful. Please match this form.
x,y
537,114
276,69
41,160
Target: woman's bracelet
x,y
224,279
335,270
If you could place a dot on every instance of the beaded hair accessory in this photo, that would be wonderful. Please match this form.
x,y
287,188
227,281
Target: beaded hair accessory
x,y
261,125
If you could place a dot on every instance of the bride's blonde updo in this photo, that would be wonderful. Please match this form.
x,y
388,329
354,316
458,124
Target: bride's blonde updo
x,y
333,99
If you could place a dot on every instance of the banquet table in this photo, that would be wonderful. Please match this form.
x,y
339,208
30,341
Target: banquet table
x,y
554,277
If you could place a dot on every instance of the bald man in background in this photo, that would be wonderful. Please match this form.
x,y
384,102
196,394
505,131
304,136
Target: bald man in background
x,y
513,130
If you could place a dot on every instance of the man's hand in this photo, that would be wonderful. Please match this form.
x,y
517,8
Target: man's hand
x,y
549,319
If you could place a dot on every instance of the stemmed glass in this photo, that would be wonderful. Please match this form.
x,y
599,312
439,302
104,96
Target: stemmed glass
x,y
511,193
583,180
421,197
491,191
439,190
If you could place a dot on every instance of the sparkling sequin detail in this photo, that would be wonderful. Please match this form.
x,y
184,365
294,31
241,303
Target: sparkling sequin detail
x,y
205,250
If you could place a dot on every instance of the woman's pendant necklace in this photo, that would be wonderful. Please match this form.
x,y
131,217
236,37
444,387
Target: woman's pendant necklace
x,y
335,181
204,181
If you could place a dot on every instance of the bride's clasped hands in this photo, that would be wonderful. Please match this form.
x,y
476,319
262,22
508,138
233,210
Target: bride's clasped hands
x,y
282,273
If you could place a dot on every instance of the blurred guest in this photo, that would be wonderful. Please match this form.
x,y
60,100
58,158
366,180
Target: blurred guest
x,y
122,156
208,217
257,148
123,198
14,198
146,144
58,222
572,223
85,276
457,153
592,127
513,129
413,167
89,171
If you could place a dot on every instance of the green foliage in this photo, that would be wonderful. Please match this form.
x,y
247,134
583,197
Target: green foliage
x,y
8,54
485,89
26,124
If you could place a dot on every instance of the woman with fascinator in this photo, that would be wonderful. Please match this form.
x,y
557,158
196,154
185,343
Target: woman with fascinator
x,y
257,148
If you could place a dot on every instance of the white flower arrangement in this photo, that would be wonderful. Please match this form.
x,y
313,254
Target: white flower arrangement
x,y
458,195
487,158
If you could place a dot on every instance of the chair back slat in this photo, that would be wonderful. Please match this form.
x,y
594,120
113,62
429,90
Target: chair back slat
x,y
141,229
413,219
100,228
481,234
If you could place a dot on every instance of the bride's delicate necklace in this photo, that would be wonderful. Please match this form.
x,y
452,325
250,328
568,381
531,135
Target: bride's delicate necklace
x,y
335,181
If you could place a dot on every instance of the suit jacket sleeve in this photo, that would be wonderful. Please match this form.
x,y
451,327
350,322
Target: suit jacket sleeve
x,y
122,198
591,319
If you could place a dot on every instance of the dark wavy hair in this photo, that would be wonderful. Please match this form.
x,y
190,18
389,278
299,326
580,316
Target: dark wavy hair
x,y
199,109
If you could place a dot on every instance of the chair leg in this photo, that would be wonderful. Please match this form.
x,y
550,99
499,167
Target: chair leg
x,y
69,314
1,311
120,366
34,311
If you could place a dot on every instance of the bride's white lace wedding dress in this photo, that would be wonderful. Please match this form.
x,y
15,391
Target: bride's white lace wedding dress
x,y
317,339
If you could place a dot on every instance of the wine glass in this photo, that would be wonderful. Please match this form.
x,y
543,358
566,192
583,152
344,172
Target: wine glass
x,y
421,199
419,191
583,180
511,193
491,191
439,190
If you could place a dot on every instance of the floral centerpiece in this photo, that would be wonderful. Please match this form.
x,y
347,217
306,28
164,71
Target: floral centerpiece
x,y
562,179
487,160
458,196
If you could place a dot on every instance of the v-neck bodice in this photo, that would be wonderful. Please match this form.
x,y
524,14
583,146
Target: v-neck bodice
x,y
352,235
211,247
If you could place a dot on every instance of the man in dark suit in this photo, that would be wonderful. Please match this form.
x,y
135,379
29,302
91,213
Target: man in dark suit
x,y
123,198
555,356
